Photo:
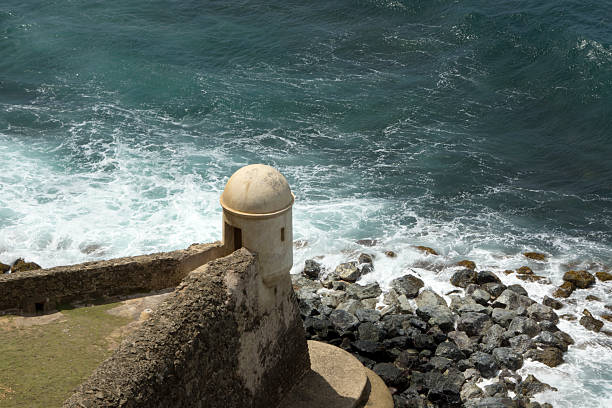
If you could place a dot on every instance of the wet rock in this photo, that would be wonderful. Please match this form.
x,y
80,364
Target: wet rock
x,y
607,317
594,298
449,350
534,278
390,254
331,297
360,292
427,250
467,264
569,317
4,268
463,278
487,277
540,312
531,386
474,324
548,339
603,276
365,259
408,285
565,290
550,356
367,242
503,317
582,279
518,289
524,325
367,315
485,363
494,289
21,266
438,363
535,256
348,271
589,322
395,324
524,270
312,269
343,321
508,299
424,342
553,303
507,357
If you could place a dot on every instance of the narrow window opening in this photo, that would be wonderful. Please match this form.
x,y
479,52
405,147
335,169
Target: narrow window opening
x,y
237,238
39,308
282,234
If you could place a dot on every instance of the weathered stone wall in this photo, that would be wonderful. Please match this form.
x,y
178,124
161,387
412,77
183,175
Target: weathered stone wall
x,y
43,289
219,340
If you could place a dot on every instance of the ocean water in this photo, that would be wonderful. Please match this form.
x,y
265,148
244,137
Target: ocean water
x,y
481,129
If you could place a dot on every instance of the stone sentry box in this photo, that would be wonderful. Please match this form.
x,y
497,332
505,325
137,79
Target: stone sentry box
x,y
257,215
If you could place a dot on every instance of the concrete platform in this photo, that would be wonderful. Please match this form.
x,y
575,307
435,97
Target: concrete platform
x,y
337,380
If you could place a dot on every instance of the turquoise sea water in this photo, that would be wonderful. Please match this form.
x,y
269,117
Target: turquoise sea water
x,y
482,129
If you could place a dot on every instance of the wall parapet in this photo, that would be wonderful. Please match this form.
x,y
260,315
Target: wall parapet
x,y
41,290
214,342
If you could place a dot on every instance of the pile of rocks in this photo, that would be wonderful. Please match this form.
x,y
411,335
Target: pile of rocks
x,y
428,352
19,265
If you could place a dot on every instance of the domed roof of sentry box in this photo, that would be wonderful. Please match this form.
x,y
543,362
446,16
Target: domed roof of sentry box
x,y
257,189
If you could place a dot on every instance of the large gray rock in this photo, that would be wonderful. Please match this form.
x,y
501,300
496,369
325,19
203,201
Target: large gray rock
x,y
548,339
463,278
408,285
487,277
495,289
350,305
474,324
429,298
367,315
521,343
590,323
524,325
503,317
357,291
540,312
492,338
506,357
551,356
445,388
438,315
343,321
369,331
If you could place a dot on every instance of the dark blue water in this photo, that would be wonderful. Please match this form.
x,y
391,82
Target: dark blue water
x,y
482,129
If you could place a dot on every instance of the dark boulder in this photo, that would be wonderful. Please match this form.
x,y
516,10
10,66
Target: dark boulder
x,y
521,343
548,339
4,268
540,312
427,250
474,324
348,271
370,331
506,357
367,315
343,321
391,375
503,317
485,363
467,264
494,289
492,339
463,278
590,323
604,276
553,303
449,350
524,325
365,259
312,269
487,277
445,388
357,291
408,285
518,289
437,315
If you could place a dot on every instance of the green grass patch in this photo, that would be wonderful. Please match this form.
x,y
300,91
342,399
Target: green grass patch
x,y
41,365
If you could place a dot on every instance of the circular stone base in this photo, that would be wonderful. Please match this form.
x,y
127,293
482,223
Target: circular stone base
x,y
337,380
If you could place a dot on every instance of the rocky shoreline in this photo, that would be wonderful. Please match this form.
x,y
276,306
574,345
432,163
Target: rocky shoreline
x,y
434,353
